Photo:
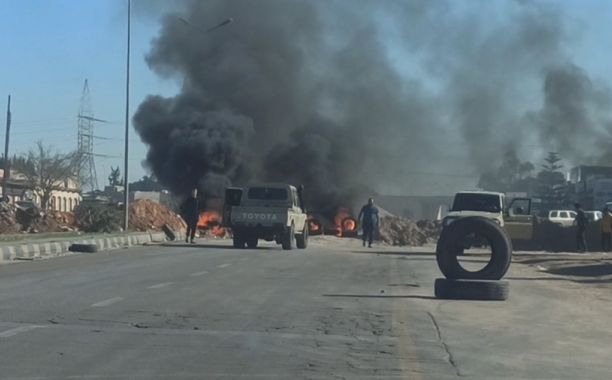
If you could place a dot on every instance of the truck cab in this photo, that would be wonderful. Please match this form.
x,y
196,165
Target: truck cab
x,y
515,218
272,212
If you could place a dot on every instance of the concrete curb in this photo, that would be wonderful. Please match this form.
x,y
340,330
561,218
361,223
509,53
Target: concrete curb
x,y
44,249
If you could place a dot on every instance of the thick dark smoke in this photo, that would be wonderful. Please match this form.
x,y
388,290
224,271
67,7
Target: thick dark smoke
x,y
398,96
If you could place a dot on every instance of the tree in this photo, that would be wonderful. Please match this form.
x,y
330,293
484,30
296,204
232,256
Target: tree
x,y
512,175
114,179
551,162
551,181
47,171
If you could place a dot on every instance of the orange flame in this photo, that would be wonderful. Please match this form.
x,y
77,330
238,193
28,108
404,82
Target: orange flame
x,y
314,226
211,221
344,222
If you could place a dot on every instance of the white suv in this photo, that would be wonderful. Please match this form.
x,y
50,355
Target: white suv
x,y
562,217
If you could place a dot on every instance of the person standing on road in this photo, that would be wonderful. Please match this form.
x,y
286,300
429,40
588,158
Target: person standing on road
x,y
581,222
369,221
191,214
606,230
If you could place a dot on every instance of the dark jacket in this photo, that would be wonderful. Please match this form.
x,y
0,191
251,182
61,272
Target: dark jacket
x,y
189,210
581,220
370,216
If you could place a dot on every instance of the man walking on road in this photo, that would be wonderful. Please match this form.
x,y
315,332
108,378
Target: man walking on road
x,y
191,214
581,222
369,221
606,230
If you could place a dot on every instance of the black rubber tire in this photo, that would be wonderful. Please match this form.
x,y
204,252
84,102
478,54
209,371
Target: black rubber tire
x,y
288,238
301,240
238,241
450,246
252,242
483,290
89,248
169,232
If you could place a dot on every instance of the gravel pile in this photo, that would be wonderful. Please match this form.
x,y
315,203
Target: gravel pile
x,y
405,232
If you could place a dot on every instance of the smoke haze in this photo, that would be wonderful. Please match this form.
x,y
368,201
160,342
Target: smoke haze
x,y
397,97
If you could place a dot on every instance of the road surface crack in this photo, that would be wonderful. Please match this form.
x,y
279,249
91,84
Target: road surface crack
x,y
449,355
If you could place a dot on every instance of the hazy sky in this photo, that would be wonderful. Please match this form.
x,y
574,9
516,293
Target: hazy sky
x,y
50,47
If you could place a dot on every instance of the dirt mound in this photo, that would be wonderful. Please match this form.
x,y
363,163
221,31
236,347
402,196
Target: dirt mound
x,y
400,231
147,215
8,219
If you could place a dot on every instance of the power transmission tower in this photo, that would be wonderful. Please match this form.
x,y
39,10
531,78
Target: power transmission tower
x,y
87,170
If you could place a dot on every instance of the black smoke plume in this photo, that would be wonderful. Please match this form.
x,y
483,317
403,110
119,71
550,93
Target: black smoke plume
x,y
353,97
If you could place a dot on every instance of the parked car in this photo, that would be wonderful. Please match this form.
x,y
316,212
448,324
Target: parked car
x,y
593,216
562,217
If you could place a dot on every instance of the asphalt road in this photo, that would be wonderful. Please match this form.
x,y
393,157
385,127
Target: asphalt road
x,y
333,311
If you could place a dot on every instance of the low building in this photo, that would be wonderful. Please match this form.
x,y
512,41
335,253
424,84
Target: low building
x,y
65,199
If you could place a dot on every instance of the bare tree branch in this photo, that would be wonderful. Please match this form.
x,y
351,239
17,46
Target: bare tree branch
x,y
47,171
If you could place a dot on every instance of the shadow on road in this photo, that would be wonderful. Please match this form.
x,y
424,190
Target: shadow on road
x,y
220,246
380,296
369,252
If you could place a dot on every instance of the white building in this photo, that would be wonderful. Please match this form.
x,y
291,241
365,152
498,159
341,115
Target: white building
x,y
65,199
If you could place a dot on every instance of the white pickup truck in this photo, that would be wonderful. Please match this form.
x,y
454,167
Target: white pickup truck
x,y
515,218
272,212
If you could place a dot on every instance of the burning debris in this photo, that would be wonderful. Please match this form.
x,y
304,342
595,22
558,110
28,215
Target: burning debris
x,y
314,225
346,225
210,223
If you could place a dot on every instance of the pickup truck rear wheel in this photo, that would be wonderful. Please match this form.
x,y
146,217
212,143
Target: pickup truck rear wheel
x,y
302,239
288,237
252,242
238,241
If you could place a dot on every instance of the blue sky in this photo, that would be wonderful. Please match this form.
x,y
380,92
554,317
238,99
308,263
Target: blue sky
x,y
49,47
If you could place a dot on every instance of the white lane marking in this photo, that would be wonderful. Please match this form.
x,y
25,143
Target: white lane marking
x,y
107,302
199,273
223,265
161,285
244,259
19,330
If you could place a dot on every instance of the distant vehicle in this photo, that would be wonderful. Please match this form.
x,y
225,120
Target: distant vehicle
x,y
272,212
593,216
562,217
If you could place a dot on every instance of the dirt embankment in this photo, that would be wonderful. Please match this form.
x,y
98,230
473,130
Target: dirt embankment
x,y
145,215
405,232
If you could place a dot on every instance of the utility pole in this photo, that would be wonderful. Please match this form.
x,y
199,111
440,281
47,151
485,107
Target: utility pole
x,y
85,135
7,167
126,186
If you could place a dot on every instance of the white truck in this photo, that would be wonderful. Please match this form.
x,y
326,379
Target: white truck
x,y
516,218
272,212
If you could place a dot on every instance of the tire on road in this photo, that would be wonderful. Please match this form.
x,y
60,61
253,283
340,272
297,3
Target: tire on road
x,y
301,241
169,232
450,245
484,290
89,248
251,242
288,237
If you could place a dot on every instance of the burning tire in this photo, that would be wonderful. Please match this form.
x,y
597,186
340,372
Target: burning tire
x,y
302,240
288,237
451,242
471,289
349,227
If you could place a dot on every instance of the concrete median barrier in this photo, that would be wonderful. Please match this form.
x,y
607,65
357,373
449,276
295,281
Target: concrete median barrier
x,y
37,249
